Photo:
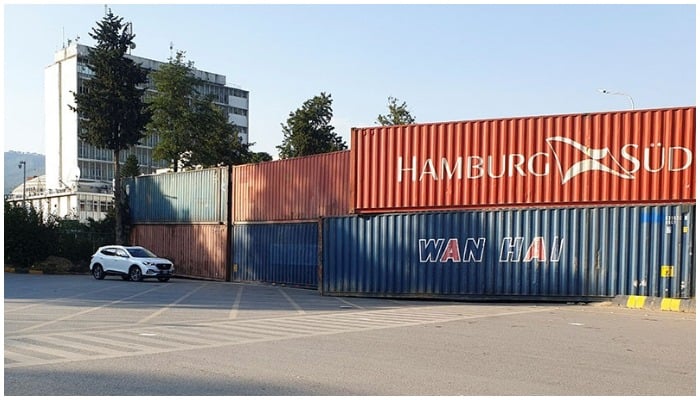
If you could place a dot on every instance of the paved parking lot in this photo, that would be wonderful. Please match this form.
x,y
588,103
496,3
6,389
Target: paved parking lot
x,y
74,335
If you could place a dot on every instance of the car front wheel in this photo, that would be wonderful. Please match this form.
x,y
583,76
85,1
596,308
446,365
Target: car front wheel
x,y
135,274
98,272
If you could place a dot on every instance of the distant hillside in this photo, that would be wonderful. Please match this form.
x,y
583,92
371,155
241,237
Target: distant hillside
x,y
36,166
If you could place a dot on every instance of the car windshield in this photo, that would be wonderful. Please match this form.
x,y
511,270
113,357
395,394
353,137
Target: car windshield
x,y
140,252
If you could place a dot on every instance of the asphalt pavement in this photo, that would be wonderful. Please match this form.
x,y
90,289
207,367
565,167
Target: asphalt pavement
x,y
73,335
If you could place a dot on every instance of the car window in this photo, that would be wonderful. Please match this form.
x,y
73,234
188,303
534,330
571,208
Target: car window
x,y
121,253
108,252
139,252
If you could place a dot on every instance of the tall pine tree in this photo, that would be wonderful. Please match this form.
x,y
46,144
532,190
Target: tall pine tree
x,y
111,111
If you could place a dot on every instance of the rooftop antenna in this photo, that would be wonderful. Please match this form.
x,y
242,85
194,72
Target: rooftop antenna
x,y
130,32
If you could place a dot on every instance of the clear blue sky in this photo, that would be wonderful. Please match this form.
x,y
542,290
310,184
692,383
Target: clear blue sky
x,y
449,62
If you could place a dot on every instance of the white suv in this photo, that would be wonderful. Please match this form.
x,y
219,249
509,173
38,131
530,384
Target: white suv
x,y
131,263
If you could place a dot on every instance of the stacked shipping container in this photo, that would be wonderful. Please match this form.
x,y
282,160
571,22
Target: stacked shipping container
x,y
184,217
551,207
276,208
534,253
589,160
634,157
297,189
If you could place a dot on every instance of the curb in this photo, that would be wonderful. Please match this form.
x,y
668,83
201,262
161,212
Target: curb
x,y
30,271
33,271
655,303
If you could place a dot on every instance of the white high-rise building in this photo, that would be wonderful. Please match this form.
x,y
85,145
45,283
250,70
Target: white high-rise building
x,y
78,180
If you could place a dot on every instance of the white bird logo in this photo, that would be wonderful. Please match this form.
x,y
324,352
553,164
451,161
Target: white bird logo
x,y
591,164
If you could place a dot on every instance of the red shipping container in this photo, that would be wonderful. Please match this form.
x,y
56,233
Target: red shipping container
x,y
296,189
626,157
197,250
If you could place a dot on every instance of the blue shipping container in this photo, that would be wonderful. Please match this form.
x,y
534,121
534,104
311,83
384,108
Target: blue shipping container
x,y
281,253
199,196
530,253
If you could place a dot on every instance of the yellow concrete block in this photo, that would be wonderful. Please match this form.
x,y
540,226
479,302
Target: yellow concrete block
x,y
636,301
670,304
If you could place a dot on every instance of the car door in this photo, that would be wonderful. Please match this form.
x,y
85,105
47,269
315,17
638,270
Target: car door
x,y
107,259
121,261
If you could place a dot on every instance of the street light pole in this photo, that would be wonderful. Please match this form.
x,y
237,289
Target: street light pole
x,y
24,181
605,91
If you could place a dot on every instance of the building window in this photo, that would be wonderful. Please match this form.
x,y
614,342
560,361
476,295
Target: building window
x,y
82,205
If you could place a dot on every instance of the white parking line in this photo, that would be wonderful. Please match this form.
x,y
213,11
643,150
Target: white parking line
x,y
166,308
54,300
66,317
20,358
292,302
353,305
236,304
172,339
48,351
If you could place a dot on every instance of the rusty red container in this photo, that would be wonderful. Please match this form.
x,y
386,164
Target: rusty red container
x,y
296,189
610,158
197,250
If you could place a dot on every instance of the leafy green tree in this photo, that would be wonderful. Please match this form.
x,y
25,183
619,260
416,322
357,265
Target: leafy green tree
x,y
28,238
131,167
256,157
111,111
192,129
308,130
172,108
216,142
398,114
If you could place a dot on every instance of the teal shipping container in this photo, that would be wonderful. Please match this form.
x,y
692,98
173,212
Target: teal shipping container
x,y
537,254
199,196
280,253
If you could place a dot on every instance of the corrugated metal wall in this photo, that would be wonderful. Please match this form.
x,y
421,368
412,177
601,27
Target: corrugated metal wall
x,y
190,196
276,253
303,188
530,253
615,158
633,171
198,250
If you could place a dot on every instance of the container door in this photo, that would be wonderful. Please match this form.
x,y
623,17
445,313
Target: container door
x,y
675,264
684,283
